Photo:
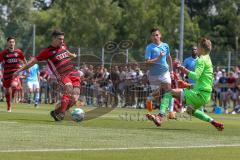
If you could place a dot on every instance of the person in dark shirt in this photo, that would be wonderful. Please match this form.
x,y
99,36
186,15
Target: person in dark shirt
x,y
222,84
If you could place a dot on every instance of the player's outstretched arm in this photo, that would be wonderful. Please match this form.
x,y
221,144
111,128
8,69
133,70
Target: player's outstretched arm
x,y
24,61
72,55
183,69
27,65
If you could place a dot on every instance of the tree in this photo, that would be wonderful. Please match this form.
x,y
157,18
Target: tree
x,y
86,22
15,20
218,20
139,17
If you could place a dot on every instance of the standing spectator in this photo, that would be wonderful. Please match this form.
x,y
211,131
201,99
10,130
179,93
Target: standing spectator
x,y
217,74
129,87
53,89
237,71
89,86
215,93
232,89
44,86
237,107
12,58
98,79
122,83
115,79
143,91
190,63
105,73
59,61
139,73
158,58
222,85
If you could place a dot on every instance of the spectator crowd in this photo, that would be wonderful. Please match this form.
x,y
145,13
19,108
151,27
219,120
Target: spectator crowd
x,y
125,86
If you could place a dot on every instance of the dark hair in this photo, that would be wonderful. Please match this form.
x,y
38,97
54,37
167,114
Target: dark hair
x,y
9,38
194,48
154,30
56,33
206,44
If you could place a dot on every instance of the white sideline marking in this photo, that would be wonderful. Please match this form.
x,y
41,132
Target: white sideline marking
x,y
112,149
7,122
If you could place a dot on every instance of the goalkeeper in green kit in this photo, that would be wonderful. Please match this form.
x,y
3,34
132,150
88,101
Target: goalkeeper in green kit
x,y
201,92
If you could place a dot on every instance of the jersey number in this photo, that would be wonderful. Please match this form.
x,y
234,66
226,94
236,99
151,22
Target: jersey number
x,y
62,56
12,60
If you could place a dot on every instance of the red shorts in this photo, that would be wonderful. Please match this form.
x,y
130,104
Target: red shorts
x,y
73,78
7,83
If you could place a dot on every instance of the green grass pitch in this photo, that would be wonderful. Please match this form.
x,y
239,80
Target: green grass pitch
x,y
124,134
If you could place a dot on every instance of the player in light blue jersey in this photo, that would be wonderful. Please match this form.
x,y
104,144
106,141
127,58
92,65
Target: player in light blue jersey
x,y
158,58
32,80
190,63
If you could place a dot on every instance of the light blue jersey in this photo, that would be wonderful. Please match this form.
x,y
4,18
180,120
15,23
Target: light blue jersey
x,y
153,51
190,64
32,73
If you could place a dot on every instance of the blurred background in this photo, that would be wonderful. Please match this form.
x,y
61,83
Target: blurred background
x,y
90,25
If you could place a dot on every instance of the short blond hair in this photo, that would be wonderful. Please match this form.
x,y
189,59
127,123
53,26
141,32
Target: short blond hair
x,y
206,44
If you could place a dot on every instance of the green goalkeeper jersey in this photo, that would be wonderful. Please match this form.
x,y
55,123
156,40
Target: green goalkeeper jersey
x,y
203,74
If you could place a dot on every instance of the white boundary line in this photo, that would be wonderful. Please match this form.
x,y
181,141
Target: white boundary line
x,y
6,122
112,149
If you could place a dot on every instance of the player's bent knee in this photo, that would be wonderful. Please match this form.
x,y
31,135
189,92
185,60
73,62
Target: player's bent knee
x,y
76,93
68,89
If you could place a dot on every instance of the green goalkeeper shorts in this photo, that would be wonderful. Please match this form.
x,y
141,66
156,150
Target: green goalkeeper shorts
x,y
196,98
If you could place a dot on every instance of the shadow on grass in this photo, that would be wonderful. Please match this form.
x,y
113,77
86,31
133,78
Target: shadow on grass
x,y
97,112
168,129
28,120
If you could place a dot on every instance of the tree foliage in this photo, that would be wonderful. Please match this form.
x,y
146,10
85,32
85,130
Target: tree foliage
x,y
15,20
218,20
91,23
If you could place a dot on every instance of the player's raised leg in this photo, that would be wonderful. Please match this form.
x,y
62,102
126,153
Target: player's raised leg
x,y
195,100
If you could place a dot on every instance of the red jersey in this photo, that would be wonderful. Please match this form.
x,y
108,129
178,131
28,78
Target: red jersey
x,y
58,60
231,80
231,83
11,62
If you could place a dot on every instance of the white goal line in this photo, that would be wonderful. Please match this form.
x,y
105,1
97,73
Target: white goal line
x,y
122,148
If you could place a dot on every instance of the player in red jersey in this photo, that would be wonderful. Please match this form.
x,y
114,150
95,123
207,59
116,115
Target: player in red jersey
x,y
59,61
12,59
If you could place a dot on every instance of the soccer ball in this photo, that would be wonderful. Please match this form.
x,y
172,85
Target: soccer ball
x,y
78,114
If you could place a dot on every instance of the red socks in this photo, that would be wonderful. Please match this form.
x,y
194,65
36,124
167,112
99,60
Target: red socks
x,y
8,99
65,100
13,92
